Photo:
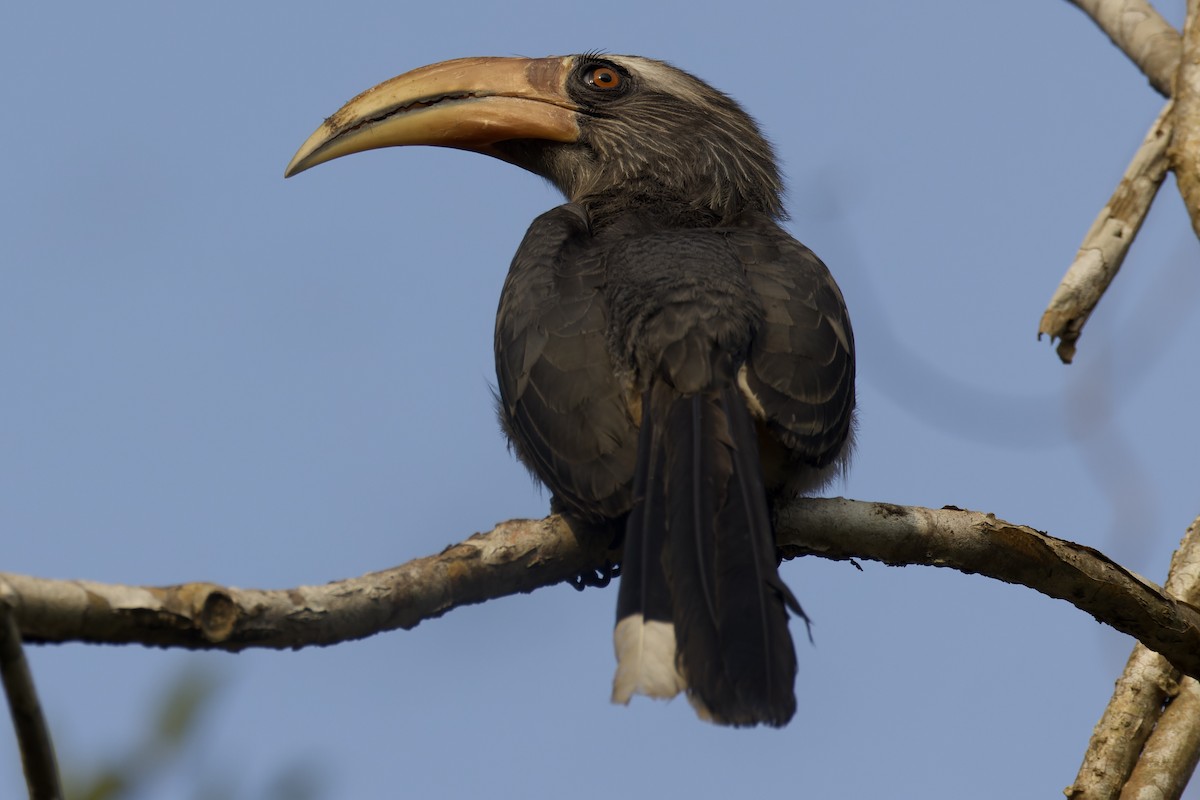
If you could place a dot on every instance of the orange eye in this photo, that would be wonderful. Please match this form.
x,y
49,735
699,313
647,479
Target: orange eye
x,y
605,78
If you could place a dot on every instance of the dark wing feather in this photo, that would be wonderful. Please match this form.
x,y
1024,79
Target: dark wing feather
x,y
563,409
801,363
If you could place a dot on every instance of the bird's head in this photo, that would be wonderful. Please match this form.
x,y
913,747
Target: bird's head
x,y
600,127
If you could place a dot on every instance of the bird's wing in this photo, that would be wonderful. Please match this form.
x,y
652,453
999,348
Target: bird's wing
x,y
564,410
800,370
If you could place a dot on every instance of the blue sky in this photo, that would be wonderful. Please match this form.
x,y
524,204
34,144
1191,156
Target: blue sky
x,y
214,374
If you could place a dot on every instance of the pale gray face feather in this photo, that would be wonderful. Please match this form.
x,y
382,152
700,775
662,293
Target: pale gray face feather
x,y
666,134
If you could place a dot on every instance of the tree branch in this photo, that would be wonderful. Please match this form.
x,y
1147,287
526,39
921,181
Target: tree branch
x,y
1147,743
1169,757
1142,34
1150,41
522,555
33,735
517,556
1135,743
1185,142
974,542
1126,724
1107,242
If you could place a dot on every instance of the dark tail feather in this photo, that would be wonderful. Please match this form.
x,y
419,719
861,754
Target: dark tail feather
x,y
729,602
644,637
748,469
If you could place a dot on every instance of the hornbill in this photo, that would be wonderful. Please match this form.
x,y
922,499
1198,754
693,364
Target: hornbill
x,y
668,358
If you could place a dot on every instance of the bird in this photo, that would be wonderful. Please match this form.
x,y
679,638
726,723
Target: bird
x,y
671,362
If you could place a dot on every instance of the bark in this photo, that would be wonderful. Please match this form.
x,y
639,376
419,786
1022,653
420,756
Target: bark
x,y
1108,241
1141,33
29,724
517,556
1169,758
522,555
1135,746
1150,41
1185,142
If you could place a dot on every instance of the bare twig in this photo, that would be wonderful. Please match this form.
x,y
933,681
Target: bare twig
x,y
1141,33
1150,41
1131,728
1185,142
1108,240
521,555
33,735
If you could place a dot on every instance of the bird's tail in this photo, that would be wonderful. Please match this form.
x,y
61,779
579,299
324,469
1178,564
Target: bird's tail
x,y
701,606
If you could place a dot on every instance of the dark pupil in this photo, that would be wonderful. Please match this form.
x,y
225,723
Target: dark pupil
x,y
604,77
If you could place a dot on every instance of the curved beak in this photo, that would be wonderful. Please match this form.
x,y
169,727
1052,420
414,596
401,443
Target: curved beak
x,y
467,103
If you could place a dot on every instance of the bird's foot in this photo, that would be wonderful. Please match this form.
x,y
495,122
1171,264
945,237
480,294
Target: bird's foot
x,y
599,578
